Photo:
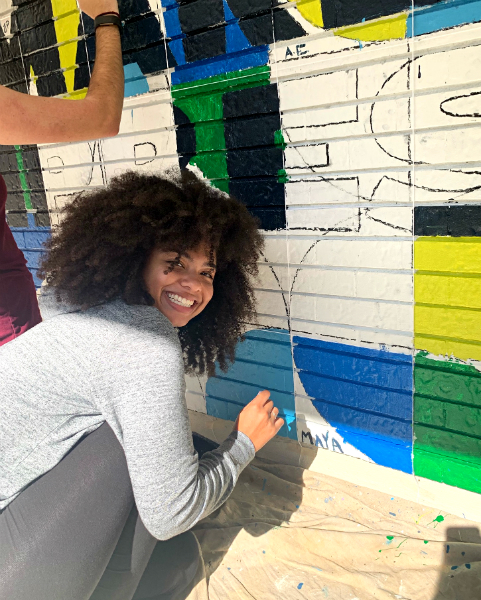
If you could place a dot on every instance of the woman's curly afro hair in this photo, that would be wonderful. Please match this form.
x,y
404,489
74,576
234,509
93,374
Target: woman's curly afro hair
x,y
99,251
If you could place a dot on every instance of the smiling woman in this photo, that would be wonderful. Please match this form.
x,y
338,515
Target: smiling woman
x,y
181,286
145,279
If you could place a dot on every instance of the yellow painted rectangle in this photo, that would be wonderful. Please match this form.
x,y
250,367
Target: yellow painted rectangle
x,y
449,348
452,255
448,290
458,323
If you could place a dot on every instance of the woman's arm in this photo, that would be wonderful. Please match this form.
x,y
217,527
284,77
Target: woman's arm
x,y
139,388
26,119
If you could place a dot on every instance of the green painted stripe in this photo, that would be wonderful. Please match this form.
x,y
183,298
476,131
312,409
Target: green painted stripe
x,y
445,415
447,470
23,178
450,387
447,443
447,380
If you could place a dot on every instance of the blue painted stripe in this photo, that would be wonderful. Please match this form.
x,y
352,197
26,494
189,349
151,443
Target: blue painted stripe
x,y
229,411
395,456
172,23
443,16
357,368
352,395
33,258
243,393
19,238
36,239
135,81
245,378
354,350
36,280
366,423
260,375
272,348
252,57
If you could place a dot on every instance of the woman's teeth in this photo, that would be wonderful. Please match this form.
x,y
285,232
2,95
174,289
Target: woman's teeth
x,y
179,300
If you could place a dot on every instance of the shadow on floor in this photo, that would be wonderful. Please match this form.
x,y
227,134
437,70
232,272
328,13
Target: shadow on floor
x,y
458,579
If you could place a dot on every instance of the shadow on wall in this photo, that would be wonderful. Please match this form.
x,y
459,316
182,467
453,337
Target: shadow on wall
x,y
458,579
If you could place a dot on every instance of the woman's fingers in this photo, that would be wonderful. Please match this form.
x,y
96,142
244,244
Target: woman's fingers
x,y
268,406
262,397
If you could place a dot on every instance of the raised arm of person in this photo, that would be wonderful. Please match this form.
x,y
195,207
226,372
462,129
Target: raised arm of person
x,y
26,119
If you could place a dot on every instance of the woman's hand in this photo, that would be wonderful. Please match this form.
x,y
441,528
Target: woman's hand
x,y
259,420
92,8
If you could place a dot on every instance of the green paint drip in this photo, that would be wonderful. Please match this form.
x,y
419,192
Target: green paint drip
x,y
23,178
390,537
279,141
282,176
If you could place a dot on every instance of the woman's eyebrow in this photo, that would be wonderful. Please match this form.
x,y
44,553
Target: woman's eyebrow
x,y
210,264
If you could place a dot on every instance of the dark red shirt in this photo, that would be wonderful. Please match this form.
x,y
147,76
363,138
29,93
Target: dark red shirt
x,y
18,299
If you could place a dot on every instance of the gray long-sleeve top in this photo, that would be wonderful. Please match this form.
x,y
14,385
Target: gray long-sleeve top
x,y
121,364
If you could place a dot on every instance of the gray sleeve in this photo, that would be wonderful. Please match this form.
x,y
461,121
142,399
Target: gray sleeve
x,y
143,400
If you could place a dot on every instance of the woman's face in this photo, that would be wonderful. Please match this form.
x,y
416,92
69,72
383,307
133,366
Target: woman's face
x,y
181,286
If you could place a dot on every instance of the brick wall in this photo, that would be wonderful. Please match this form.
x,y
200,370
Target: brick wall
x,y
352,129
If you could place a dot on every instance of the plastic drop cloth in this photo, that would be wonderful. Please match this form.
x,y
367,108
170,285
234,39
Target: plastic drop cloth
x,y
289,533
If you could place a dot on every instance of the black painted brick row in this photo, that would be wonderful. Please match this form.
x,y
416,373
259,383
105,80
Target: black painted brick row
x,y
457,220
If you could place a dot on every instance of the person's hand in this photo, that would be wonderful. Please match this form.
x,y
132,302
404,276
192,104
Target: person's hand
x,y
92,8
259,420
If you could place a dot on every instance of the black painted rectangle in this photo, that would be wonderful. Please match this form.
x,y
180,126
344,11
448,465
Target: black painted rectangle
x,y
205,45
150,60
285,26
17,219
337,13
251,101
43,62
38,38
8,162
11,72
15,201
134,8
52,84
258,191
39,201
254,163
243,8
258,30
141,33
455,220
42,219
251,131
200,15
31,15
9,49
271,218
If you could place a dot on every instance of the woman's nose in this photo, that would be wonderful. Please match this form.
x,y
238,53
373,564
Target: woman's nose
x,y
192,281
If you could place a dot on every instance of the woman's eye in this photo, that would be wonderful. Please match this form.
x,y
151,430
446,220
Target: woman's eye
x,y
176,263
208,274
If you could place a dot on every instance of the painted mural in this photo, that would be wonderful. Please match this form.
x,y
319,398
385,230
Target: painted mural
x,y
352,129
